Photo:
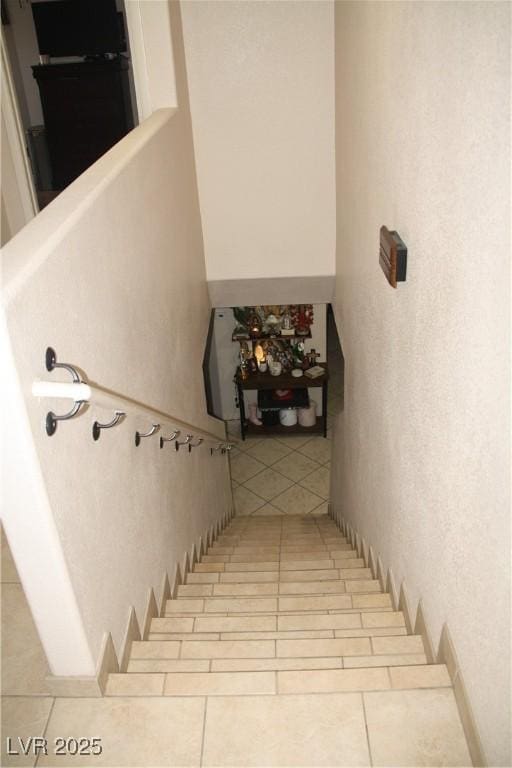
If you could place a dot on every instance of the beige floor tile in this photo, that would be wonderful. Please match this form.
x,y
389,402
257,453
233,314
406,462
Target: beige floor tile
x,y
183,636
220,550
390,645
385,661
308,554
383,619
318,449
228,649
168,665
234,589
375,632
318,575
428,676
302,634
355,573
236,624
260,550
202,578
162,649
250,576
22,716
216,558
241,605
312,588
172,625
296,466
269,557
220,684
268,484
319,621
268,511
209,567
135,684
238,665
318,549
333,681
245,501
248,567
24,665
296,499
342,557
268,451
184,606
372,601
318,482
244,466
195,590
307,565
408,728
294,441
319,603
324,730
363,585
352,646
321,510
131,730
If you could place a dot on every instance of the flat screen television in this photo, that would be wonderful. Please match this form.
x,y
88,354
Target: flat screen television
x,y
78,27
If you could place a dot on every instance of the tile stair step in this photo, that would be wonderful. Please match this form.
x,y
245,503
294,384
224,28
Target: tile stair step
x,y
237,589
278,604
284,681
369,650
183,607
279,635
382,622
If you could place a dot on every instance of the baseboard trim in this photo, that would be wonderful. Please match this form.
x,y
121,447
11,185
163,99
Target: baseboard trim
x,y
108,662
418,625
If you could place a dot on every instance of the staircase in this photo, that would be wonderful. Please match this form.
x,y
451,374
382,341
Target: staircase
x,y
279,605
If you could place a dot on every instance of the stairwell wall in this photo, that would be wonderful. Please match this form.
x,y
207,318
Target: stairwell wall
x,y
112,275
421,457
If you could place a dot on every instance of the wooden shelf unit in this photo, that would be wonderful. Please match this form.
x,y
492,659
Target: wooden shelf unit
x,y
257,381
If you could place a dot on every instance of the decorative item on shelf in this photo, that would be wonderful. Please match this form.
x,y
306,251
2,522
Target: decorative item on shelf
x,y
272,325
275,368
298,354
297,373
312,356
283,394
303,319
242,320
288,417
307,416
255,326
244,356
286,323
253,414
315,372
252,365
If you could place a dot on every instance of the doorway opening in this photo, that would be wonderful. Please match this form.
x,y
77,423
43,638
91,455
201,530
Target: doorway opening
x,y
70,69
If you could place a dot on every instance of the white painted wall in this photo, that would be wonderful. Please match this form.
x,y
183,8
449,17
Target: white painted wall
x,y
261,88
421,459
112,275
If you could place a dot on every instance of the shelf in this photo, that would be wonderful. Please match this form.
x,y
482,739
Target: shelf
x,y
279,429
278,337
284,381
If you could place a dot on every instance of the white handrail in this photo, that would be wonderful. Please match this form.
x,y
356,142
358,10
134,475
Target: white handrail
x,y
96,395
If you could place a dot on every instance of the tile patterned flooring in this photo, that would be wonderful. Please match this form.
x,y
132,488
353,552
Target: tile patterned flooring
x,y
284,475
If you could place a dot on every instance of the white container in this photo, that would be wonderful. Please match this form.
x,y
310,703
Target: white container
x,y
307,416
288,417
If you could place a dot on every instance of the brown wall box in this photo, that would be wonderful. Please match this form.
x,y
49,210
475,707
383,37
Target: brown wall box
x,y
392,256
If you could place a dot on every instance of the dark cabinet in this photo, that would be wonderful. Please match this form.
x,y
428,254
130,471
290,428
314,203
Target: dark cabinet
x,y
87,109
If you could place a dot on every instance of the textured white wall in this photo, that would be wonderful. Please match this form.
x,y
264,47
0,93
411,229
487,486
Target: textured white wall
x,y
261,89
421,464
112,275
